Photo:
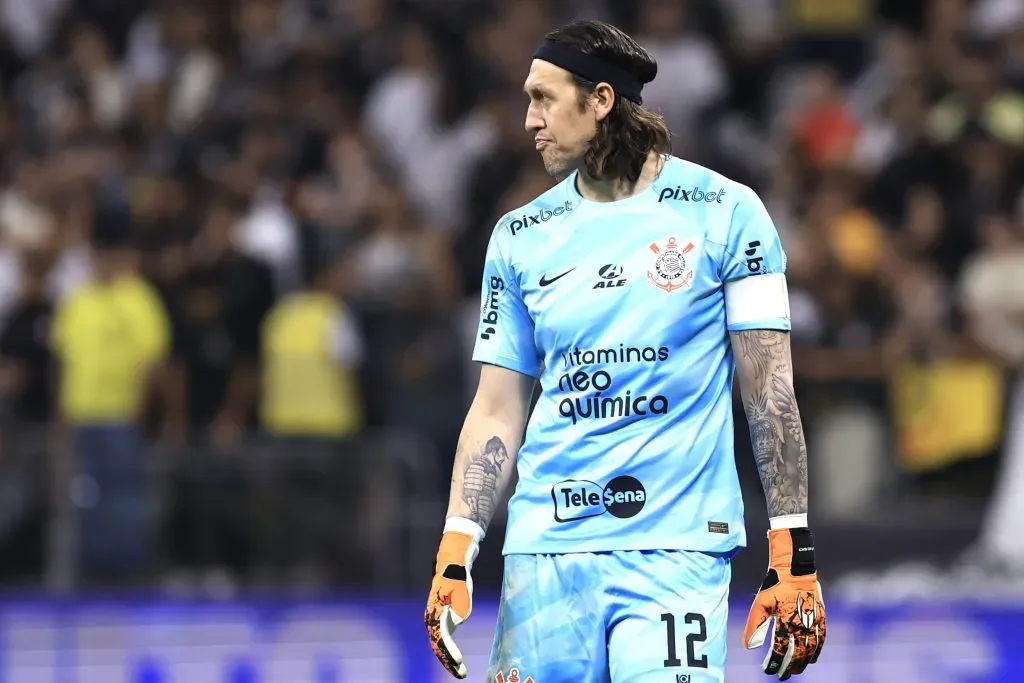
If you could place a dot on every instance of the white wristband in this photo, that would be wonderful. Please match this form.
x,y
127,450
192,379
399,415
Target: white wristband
x,y
788,521
462,525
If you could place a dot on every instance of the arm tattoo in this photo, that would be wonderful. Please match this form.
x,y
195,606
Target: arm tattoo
x,y
482,480
776,433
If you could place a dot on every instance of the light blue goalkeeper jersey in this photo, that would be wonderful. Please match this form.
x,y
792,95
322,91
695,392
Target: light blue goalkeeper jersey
x,y
620,309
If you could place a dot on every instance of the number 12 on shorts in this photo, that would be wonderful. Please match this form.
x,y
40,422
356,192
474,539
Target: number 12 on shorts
x,y
692,638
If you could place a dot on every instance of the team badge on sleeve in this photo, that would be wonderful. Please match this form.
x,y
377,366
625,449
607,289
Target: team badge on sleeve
x,y
673,264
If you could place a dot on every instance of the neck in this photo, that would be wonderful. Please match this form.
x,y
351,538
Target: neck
x,y
619,188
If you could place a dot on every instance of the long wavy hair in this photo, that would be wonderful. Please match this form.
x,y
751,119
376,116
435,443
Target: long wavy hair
x,y
629,133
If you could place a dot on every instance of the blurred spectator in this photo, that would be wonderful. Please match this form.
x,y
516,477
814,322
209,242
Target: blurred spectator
x,y
419,116
823,126
337,201
401,265
311,406
404,277
667,31
854,236
368,36
898,60
104,81
992,292
830,34
979,97
30,24
312,350
893,124
26,365
267,230
223,300
947,402
111,337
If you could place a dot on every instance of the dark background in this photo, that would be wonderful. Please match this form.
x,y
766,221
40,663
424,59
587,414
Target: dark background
x,y
386,137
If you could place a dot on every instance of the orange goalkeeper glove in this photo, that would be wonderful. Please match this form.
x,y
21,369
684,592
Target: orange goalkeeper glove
x,y
790,598
451,593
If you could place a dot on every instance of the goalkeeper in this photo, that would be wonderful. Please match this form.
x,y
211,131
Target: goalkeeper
x,y
633,290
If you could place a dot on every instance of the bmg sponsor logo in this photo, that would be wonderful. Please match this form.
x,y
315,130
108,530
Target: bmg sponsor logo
x,y
520,223
489,310
574,499
754,258
694,195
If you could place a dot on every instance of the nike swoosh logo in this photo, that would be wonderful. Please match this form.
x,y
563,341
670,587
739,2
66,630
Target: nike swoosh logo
x,y
544,282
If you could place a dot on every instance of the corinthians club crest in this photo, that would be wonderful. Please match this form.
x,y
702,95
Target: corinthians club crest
x,y
673,265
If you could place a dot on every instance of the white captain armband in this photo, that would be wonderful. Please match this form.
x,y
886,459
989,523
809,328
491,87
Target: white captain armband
x,y
757,299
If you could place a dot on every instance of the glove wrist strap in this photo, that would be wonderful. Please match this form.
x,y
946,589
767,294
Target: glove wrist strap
x,y
463,525
460,544
792,549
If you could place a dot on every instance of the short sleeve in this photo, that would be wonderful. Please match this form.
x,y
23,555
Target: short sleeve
x,y
505,335
754,270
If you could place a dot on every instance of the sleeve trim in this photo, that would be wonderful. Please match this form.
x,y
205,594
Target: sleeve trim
x,y
509,363
774,324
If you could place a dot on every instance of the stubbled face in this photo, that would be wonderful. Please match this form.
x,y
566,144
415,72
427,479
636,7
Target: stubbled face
x,y
561,127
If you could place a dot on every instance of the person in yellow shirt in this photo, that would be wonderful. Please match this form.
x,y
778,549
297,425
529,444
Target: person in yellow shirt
x,y
109,337
311,407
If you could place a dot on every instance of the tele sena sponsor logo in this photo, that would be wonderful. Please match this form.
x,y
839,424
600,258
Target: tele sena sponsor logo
x,y
694,195
524,221
574,499
489,310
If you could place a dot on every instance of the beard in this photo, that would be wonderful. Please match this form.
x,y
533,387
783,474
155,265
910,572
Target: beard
x,y
558,166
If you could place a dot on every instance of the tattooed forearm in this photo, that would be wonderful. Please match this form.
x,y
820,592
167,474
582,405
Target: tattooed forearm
x,y
485,460
763,361
482,481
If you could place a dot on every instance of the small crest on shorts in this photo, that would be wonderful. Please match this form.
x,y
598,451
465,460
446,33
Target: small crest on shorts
x,y
513,677
673,264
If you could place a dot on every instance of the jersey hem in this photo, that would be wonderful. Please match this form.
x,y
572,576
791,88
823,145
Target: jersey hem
x,y
547,549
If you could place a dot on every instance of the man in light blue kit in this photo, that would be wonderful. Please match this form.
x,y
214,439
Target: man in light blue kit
x,y
632,291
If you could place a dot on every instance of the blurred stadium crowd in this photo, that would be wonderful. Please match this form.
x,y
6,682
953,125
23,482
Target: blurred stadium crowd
x,y
241,245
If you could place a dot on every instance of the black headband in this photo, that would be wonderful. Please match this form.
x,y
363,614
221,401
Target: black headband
x,y
592,68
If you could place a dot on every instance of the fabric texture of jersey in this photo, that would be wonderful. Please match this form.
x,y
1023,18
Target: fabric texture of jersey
x,y
621,617
619,309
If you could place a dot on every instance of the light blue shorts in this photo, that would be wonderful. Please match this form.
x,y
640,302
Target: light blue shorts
x,y
617,617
